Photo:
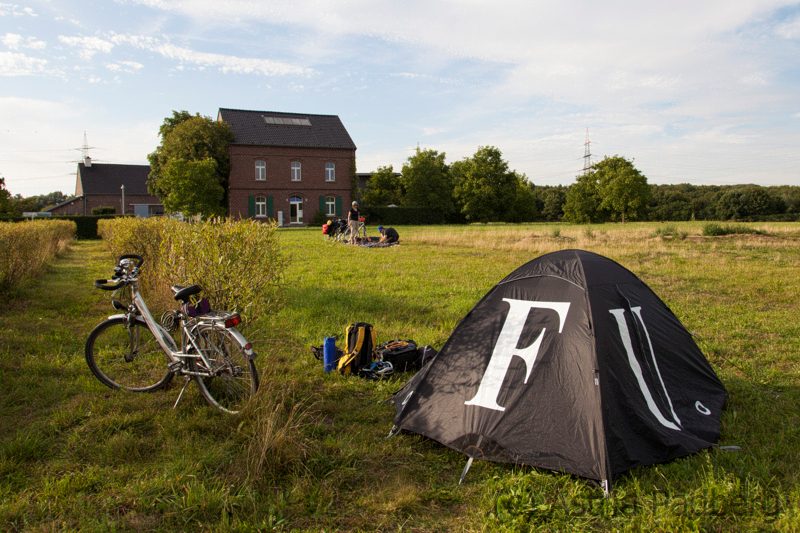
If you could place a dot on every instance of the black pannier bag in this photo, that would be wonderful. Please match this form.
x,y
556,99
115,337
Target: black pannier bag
x,y
403,354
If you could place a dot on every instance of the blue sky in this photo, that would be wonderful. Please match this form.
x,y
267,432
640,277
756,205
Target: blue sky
x,y
700,92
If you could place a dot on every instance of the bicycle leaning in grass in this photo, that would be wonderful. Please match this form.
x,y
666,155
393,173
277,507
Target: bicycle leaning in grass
x,y
132,351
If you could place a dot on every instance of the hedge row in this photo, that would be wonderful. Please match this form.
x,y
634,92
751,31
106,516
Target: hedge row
x,y
238,263
408,216
86,224
28,246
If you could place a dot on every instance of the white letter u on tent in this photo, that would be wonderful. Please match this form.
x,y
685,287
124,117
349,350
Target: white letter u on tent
x,y
619,315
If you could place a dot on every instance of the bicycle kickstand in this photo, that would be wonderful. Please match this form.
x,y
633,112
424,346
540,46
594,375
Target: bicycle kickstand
x,y
180,394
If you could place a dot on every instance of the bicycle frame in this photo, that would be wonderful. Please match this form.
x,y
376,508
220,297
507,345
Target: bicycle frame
x,y
212,352
138,310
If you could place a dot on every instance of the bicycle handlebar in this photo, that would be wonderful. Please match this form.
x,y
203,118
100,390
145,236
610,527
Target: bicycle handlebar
x,y
138,258
103,284
120,276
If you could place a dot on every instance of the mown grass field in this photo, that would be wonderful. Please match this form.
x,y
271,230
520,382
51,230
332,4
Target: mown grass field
x,y
77,456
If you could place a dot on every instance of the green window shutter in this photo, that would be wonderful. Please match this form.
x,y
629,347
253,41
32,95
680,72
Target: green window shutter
x,y
338,206
251,206
322,205
269,207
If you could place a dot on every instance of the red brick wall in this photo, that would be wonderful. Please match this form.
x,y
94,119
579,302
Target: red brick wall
x,y
279,185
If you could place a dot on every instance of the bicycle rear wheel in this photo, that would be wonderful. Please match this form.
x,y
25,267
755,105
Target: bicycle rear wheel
x,y
126,356
234,376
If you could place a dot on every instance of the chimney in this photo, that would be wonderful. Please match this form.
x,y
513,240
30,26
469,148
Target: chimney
x,y
87,161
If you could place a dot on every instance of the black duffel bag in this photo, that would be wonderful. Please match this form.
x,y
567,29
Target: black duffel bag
x,y
403,354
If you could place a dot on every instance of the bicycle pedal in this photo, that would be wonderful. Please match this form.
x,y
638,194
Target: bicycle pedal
x,y
175,366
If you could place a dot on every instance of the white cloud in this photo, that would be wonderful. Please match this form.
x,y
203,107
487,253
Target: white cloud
x,y
15,41
222,62
16,64
87,46
789,29
11,40
15,10
613,53
128,67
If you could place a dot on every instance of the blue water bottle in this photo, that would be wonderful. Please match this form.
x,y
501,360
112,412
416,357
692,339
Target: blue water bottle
x,y
329,353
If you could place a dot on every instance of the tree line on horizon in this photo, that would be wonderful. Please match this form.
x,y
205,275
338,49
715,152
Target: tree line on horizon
x,y
482,188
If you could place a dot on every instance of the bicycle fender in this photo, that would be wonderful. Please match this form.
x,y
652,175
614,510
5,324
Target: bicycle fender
x,y
123,315
251,354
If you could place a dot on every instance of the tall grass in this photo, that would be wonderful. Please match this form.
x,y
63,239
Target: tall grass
x,y
26,247
238,264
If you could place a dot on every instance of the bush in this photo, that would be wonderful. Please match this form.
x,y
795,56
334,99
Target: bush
x,y
238,263
713,229
670,232
28,246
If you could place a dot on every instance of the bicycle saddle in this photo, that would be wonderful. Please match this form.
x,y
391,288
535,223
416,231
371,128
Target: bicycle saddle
x,y
183,293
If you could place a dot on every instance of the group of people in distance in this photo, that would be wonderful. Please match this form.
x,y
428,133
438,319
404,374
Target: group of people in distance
x,y
331,227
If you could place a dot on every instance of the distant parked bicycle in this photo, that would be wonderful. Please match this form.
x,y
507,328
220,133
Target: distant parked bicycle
x,y
361,232
132,351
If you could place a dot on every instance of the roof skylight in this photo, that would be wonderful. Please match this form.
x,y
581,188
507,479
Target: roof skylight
x,y
287,121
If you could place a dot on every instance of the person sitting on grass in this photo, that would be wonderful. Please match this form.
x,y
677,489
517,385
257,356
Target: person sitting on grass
x,y
389,235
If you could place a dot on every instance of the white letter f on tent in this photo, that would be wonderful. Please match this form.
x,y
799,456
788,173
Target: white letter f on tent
x,y
506,349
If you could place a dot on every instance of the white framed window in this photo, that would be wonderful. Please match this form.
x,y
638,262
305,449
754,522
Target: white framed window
x,y
330,206
330,171
295,210
261,206
261,170
297,171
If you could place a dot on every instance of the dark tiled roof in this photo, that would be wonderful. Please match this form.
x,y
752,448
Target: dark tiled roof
x,y
250,127
62,204
101,178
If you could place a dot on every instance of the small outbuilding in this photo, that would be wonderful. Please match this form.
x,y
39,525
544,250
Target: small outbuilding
x,y
122,188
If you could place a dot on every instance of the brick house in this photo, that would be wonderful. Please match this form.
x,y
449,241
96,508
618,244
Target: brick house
x,y
100,185
288,166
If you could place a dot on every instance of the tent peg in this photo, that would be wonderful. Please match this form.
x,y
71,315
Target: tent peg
x,y
464,472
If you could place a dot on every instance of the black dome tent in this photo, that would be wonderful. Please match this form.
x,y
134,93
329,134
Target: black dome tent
x,y
570,363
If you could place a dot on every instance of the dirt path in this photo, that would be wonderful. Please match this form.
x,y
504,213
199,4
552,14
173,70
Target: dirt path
x,y
43,327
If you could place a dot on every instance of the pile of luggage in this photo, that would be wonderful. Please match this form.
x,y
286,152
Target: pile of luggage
x,y
365,358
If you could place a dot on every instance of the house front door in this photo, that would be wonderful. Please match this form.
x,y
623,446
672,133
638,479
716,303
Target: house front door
x,y
295,210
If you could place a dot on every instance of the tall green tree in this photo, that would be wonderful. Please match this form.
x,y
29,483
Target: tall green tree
x,y
485,188
582,202
426,181
524,207
622,187
189,137
384,188
553,199
192,187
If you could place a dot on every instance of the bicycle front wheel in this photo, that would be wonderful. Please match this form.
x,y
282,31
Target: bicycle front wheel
x,y
233,376
127,356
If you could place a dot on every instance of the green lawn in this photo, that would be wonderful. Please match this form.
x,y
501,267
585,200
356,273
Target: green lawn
x,y
75,455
